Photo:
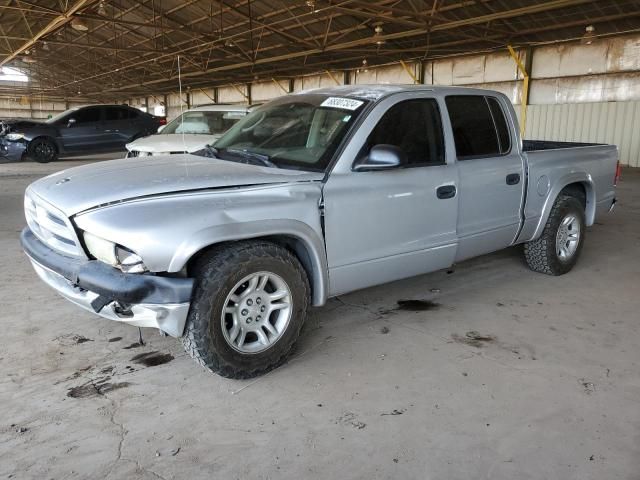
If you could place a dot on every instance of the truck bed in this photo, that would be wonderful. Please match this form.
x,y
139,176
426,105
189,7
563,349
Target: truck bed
x,y
536,145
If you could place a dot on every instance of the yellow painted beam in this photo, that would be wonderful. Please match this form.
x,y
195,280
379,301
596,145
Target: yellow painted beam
x,y
332,76
280,85
209,96
240,91
409,72
524,97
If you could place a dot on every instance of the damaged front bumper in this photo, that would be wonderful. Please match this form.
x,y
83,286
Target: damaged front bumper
x,y
134,299
11,151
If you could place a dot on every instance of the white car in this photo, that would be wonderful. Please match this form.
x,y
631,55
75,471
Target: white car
x,y
189,132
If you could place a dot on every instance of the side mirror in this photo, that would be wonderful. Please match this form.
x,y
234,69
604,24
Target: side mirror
x,y
381,157
71,122
160,128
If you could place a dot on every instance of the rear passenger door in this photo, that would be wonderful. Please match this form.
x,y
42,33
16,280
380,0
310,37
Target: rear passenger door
x,y
135,125
115,125
490,171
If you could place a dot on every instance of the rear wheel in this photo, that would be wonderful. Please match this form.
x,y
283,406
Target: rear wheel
x,y
42,150
558,248
249,305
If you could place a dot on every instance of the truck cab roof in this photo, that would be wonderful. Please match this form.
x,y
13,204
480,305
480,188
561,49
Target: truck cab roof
x,y
377,92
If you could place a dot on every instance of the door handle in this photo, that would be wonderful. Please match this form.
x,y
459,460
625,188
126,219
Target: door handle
x,y
446,191
513,179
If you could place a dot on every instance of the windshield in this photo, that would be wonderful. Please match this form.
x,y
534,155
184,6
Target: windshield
x,y
203,123
296,131
57,117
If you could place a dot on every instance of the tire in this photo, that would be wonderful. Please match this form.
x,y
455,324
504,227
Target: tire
x,y
555,253
212,337
42,150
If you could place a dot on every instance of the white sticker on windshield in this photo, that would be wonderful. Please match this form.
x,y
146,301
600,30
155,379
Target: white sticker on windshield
x,y
343,103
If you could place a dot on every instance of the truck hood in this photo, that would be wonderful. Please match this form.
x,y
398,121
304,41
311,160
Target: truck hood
x,y
172,142
81,188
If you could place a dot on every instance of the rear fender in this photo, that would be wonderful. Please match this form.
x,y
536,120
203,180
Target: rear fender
x,y
576,177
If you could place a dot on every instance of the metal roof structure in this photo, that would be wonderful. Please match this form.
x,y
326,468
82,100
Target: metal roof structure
x,y
110,48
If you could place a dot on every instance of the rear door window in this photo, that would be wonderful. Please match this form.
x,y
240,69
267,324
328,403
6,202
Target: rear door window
x,y
501,124
115,113
473,127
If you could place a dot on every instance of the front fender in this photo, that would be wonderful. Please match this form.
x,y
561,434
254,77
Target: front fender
x,y
295,229
166,231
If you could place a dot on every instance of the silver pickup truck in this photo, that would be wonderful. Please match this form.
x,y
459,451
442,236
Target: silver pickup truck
x,y
310,196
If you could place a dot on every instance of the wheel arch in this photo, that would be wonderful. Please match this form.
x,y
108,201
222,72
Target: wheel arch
x,y
300,241
579,185
48,138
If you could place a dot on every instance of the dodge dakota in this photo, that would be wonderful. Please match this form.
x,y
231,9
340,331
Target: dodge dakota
x,y
310,196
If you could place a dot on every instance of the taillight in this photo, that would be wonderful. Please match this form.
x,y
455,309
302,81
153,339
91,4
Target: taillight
x,y
618,174
163,120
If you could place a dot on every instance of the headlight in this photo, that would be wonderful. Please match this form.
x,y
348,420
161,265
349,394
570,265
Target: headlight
x,y
14,136
113,254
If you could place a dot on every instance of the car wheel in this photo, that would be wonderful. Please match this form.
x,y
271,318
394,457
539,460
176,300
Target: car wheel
x,y
558,248
249,304
42,150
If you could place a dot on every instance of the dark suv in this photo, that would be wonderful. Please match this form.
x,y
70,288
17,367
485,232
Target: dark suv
x,y
90,129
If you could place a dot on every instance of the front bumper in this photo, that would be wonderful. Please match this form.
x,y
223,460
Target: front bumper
x,y
11,151
134,299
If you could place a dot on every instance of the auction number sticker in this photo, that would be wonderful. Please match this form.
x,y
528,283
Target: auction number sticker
x,y
343,103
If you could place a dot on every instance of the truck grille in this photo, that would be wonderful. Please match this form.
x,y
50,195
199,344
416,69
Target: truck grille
x,y
50,227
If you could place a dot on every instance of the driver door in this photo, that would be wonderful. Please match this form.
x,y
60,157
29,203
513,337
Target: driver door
x,y
85,132
386,225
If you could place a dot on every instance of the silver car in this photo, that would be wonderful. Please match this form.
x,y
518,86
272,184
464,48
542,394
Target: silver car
x,y
310,196
189,132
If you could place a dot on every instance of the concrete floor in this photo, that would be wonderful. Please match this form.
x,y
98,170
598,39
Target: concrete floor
x,y
515,375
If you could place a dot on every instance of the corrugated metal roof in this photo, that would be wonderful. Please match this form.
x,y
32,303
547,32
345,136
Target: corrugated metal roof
x,y
131,47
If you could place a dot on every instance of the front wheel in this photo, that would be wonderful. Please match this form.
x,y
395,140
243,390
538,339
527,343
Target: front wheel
x,y
558,248
42,150
249,304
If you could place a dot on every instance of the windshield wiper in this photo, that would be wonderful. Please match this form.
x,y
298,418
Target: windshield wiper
x,y
209,151
263,159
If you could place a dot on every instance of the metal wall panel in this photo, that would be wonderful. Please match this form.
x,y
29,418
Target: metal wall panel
x,y
202,96
601,122
232,95
317,81
263,91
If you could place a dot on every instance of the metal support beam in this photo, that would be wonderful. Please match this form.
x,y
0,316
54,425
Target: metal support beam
x,y
279,85
54,24
332,76
421,72
213,99
409,72
524,98
239,90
